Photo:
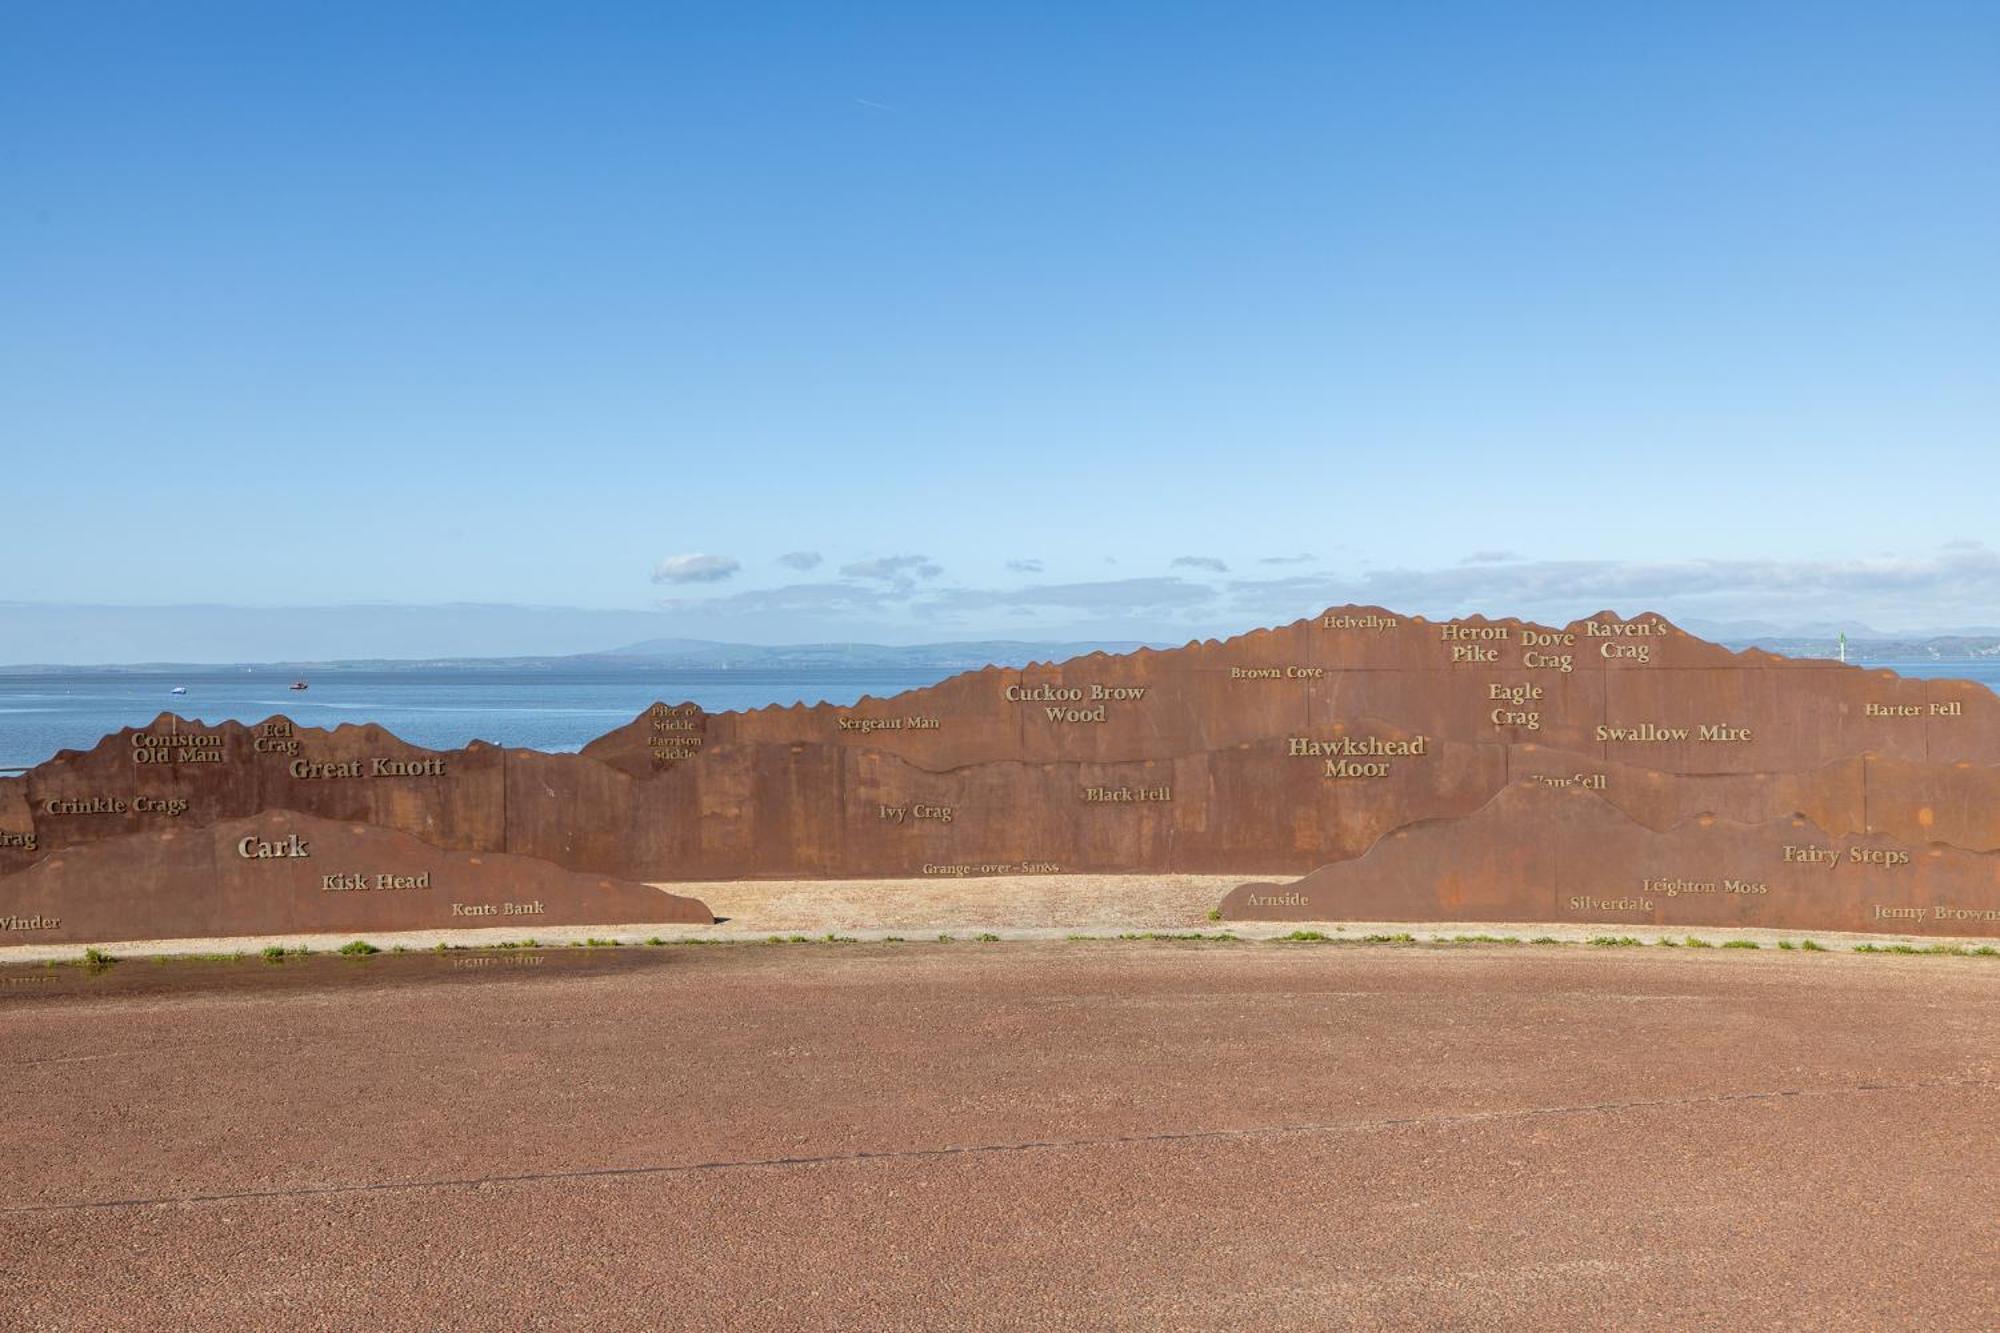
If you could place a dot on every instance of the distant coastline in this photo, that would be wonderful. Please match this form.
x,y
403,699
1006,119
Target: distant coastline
x,y
1943,648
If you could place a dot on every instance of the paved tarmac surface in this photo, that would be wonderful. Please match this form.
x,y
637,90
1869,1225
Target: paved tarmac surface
x,y
1048,1135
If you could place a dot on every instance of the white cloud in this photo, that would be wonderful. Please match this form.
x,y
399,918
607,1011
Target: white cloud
x,y
694,569
800,560
1207,562
1025,566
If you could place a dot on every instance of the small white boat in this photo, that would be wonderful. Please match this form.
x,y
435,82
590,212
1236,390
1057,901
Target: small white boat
x,y
179,689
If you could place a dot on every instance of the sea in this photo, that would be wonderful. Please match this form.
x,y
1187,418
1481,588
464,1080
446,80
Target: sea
x,y
44,712
440,709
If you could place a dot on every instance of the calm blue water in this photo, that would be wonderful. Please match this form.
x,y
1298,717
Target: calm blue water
x,y
442,709
436,709
1986,673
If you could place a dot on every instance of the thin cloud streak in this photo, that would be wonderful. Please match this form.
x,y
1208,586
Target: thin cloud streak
x,y
893,568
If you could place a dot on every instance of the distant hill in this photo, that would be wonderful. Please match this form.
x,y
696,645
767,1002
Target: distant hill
x,y
701,653
666,655
1813,641
1749,631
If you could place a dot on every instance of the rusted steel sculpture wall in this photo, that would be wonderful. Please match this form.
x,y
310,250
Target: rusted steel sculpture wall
x,y
1609,770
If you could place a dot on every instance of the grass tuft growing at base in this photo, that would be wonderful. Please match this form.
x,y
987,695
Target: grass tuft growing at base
x,y
358,949
1304,937
95,960
1616,941
1934,950
1741,944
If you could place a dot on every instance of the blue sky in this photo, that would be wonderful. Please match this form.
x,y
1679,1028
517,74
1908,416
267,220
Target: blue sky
x,y
1535,308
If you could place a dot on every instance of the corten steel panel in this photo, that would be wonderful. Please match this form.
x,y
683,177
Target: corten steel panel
x,y
1539,853
282,872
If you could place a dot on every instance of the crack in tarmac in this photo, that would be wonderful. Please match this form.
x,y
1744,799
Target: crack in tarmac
x,y
984,1149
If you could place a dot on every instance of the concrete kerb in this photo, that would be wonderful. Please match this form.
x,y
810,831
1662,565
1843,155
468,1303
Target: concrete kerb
x,y
1497,934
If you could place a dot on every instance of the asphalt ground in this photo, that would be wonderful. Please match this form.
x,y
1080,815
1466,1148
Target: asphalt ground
x,y
1087,1135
